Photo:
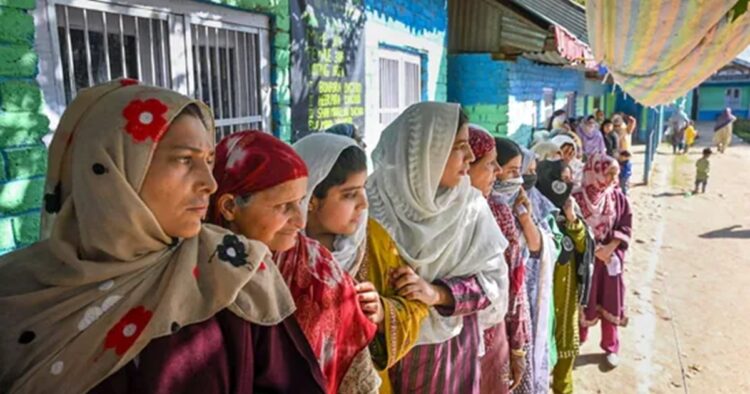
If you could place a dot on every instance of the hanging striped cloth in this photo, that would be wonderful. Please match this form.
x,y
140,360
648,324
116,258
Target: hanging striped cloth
x,y
658,50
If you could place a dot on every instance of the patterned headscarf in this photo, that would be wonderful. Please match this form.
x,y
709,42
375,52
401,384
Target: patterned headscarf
x,y
80,305
328,311
597,197
724,119
481,141
251,161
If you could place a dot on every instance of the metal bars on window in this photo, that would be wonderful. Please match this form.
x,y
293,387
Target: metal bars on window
x,y
100,45
222,63
226,75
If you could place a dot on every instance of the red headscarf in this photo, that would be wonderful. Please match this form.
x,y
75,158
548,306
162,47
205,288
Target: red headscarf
x,y
251,161
481,141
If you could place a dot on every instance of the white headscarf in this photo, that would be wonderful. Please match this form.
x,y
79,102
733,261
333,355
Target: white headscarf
x,y
440,233
320,152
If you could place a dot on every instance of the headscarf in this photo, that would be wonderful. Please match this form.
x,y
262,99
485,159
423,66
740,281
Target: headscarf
x,y
327,308
550,182
320,152
251,161
546,150
441,233
597,198
724,119
563,139
481,141
82,304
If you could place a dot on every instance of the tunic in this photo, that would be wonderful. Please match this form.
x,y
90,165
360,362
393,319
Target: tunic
x,y
224,354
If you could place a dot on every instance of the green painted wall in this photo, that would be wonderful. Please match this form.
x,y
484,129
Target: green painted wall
x,y
281,95
712,97
23,157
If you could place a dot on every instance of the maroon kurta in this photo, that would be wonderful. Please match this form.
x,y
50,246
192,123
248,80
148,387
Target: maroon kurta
x,y
224,354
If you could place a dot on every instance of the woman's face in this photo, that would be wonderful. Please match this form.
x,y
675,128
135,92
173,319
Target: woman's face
x,y
179,182
610,177
532,168
484,172
568,153
511,169
458,161
272,216
340,212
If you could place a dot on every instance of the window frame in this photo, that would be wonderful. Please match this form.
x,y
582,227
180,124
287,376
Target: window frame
x,y
181,18
402,57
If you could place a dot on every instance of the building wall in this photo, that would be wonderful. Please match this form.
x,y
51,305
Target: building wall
x,y
506,97
711,101
23,156
414,26
281,98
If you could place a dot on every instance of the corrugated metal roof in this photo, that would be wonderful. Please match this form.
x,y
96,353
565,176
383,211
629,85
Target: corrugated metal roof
x,y
488,26
565,13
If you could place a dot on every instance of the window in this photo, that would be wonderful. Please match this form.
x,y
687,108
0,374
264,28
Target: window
x,y
400,83
214,54
732,97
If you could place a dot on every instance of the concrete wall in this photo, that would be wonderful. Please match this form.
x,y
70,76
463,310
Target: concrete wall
x,y
415,26
23,156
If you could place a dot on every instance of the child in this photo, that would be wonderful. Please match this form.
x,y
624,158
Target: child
x,y
702,168
626,170
690,134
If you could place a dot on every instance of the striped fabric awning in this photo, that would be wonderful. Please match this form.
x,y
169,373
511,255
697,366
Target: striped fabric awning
x,y
658,50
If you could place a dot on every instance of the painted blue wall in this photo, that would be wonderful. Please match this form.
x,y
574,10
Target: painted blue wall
x,y
421,16
505,96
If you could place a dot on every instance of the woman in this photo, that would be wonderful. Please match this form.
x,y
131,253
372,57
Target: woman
x,y
348,130
484,171
557,120
512,211
678,122
131,293
425,211
261,183
336,211
607,211
539,277
723,130
572,271
591,137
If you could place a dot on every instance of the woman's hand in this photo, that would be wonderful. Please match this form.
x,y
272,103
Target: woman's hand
x,y
604,252
412,287
569,211
517,366
369,301
522,201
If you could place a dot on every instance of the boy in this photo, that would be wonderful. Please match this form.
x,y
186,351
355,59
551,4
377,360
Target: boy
x,y
702,168
626,170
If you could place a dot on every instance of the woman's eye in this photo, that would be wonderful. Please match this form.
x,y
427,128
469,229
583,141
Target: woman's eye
x,y
184,160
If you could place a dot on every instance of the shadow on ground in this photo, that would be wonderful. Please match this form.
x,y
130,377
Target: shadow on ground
x,y
727,232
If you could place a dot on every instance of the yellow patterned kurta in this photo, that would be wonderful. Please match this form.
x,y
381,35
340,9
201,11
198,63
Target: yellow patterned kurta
x,y
402,317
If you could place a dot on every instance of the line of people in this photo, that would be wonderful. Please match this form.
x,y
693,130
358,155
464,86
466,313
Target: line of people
x,y
463,264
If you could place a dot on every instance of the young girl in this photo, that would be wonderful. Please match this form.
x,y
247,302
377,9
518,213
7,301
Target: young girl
x,y
336,209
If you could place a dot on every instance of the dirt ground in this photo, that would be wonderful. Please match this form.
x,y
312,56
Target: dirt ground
x,y
688,278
